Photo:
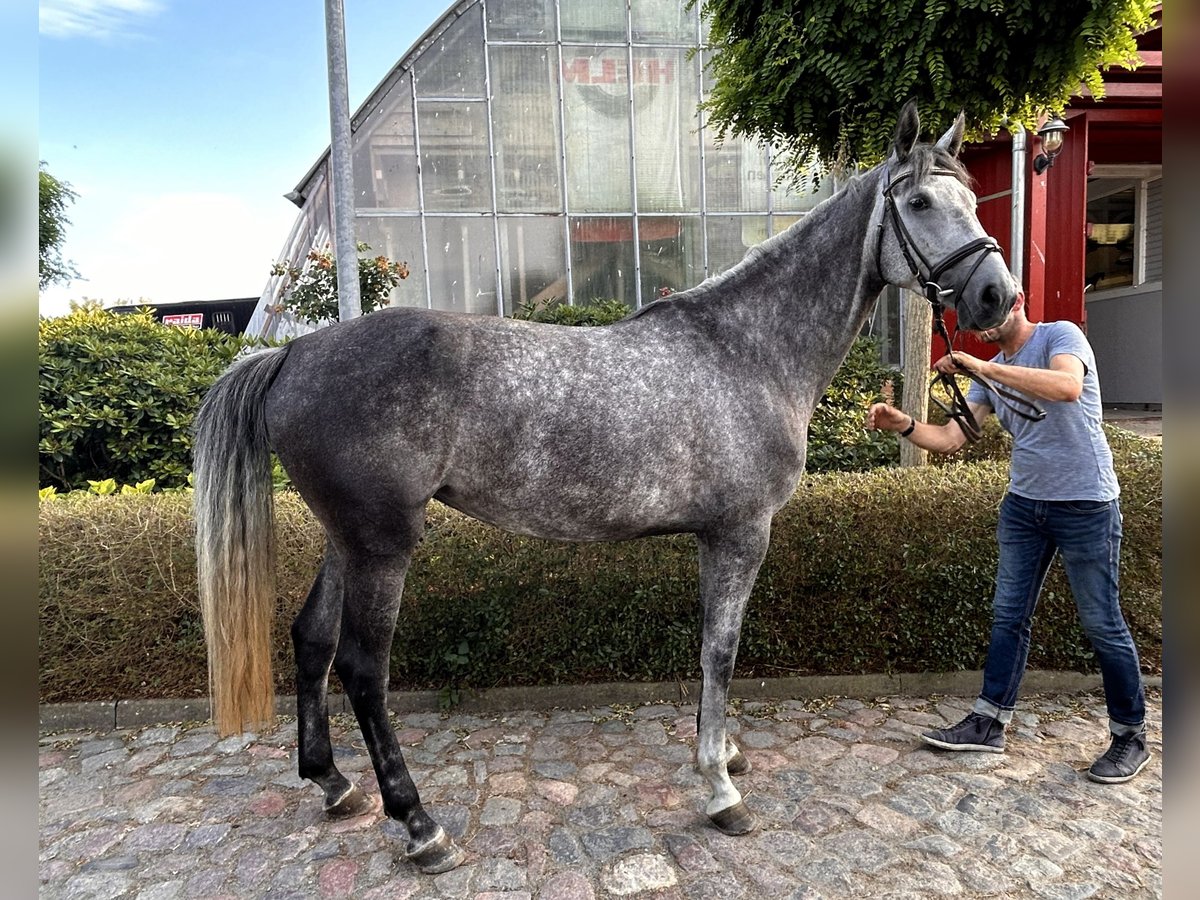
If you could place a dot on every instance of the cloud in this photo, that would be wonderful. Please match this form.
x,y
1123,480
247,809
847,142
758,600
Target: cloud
x,y
174,247
94,18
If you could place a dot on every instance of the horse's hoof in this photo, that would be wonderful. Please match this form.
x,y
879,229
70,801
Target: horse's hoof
x,y
437,855
735,820
353,803
738,764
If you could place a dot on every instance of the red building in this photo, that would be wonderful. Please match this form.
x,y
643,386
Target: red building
x,y
1092,245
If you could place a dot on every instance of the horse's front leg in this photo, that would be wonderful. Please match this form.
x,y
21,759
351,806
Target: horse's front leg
x,y
315,639
729,562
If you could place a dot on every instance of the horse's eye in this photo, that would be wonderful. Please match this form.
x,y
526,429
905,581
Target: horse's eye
x,y
918,202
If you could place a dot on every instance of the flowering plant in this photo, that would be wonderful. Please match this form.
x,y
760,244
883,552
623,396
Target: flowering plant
x,y
311,293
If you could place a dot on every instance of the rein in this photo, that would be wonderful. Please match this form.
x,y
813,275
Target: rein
x,y
958,410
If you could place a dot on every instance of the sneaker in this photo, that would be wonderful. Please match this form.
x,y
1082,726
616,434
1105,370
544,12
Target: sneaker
x,y
1126,756
975,732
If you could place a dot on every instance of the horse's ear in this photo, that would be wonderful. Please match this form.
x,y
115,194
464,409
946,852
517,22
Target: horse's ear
x,y
907,129
952,140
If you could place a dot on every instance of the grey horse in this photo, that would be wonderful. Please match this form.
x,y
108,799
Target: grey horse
x,y
689,416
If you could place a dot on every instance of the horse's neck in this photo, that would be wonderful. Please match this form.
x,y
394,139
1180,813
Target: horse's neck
x,y
806,293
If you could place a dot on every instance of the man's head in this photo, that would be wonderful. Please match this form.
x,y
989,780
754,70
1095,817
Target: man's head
x,y
1012,323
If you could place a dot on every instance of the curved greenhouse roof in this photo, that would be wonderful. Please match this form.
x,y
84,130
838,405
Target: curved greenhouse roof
x,y
529,150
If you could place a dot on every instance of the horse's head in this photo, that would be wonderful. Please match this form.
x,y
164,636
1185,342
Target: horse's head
x,y
931,241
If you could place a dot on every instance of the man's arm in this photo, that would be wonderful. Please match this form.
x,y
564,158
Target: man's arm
x,y
1062,381
937,438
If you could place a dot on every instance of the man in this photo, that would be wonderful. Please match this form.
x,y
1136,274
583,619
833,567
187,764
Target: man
x,y
1061,499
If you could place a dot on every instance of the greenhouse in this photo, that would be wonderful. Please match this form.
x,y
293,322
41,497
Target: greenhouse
x,y
529,151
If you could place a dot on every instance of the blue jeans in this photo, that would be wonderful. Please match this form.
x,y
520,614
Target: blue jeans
x,y
1087,533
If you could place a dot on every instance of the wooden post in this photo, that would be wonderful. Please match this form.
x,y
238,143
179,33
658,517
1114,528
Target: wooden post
x,y
916,319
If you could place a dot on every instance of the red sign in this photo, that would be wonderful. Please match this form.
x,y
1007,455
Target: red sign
x,y
185,320
614,69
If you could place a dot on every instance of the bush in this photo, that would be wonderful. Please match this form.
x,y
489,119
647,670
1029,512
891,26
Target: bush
x,y
884,571
117,394
601,312
837,438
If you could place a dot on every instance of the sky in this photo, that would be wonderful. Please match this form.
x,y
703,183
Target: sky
x,y
181,124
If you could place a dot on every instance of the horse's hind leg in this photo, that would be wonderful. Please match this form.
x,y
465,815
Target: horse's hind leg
x,y
315,639
729,563
373,587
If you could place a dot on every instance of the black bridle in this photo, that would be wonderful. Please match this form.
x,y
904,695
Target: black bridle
x,y
957,409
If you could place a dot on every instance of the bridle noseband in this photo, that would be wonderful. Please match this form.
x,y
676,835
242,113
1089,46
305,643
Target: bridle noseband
x,y
958,410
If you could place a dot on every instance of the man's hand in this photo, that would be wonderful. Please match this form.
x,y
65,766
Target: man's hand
x,y
882,417
1063,381
959,362
939,438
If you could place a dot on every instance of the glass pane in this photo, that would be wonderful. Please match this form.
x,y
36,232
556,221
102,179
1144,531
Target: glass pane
x,y
399,239
783,223
1110,240
735,176
455,168
385,157
532,261
664,22
452,65
602,259
318,209
735,170
520,20
729,237
672,255
462,264
665,94
799,194
884,325
593,20
596,101
525,129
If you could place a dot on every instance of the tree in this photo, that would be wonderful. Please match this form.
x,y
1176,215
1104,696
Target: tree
x,y
53,198
824,79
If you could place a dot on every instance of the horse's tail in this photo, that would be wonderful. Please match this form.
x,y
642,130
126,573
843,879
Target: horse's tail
x,y
235,541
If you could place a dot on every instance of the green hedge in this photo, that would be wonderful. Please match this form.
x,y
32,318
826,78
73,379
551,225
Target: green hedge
x,y
117,394
884,571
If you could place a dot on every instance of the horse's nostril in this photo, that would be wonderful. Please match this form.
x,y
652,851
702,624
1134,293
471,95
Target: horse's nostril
x,y
994,298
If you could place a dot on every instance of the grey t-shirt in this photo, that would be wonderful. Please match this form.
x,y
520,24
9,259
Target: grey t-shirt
x,y
1065,456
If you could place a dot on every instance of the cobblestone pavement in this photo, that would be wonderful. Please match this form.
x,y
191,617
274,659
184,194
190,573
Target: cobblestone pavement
x,y
607,803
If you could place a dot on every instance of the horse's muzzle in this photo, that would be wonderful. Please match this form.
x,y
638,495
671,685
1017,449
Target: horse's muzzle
x,y
991,308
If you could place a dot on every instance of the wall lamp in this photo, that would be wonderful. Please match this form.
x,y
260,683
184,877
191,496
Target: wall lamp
x,y
1051,135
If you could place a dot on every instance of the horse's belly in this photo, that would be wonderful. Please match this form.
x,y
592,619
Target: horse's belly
x,y
566,515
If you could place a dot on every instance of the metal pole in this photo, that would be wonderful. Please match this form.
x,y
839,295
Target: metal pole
x,y
341,179
633,180
1016,253
562,154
